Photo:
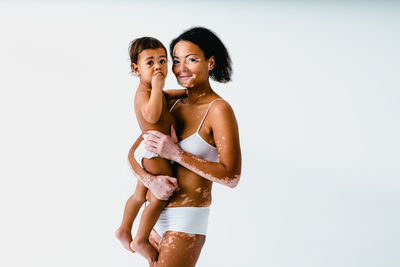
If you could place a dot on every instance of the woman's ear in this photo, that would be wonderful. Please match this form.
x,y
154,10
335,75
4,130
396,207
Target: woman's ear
x,y
211,63
135,69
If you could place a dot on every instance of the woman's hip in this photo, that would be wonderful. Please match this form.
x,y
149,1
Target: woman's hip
x,y
191,220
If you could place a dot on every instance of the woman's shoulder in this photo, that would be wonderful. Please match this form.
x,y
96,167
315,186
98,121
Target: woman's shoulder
x,y
221,109
222,117
220,105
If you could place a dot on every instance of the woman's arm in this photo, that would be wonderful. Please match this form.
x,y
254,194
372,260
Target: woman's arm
x,y
226,136
161,186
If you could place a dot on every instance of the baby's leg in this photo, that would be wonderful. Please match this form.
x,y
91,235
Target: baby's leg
x,y
141,244
131,210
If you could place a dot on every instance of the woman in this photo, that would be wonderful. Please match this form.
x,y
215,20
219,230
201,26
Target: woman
x,y
208,150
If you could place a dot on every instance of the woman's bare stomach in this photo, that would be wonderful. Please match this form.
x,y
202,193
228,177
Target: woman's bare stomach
x,y
195,191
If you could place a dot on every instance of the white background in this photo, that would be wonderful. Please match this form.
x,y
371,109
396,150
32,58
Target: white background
x,y
316,94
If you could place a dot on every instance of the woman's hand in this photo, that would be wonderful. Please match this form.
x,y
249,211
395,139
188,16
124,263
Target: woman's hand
x,y
163,186
164,145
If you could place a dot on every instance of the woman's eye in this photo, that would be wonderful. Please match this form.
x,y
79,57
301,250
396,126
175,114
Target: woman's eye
x,y
162,61
175,62
191,60
150,63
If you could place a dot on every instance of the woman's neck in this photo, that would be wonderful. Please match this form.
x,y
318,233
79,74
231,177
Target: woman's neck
x,y
199,94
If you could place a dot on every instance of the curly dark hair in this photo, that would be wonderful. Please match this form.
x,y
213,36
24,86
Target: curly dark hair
x,y
143,43
211,45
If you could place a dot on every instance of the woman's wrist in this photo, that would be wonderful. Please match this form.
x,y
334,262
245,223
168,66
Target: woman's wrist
x,y
147,180
177,156
162,186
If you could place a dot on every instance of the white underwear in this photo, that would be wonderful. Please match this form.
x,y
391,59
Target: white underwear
x,y
191,220
142,153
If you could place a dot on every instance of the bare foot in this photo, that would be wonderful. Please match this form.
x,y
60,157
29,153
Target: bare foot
x,y
144,248
125,237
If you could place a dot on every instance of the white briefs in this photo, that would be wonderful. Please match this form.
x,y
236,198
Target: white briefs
x,y
141,152
191,220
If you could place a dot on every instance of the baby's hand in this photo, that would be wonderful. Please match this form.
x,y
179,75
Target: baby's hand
x,y
157,81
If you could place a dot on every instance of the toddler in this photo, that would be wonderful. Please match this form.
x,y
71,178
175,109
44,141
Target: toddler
x,y
149,62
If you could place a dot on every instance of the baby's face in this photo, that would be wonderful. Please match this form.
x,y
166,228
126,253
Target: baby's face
x,y
150,63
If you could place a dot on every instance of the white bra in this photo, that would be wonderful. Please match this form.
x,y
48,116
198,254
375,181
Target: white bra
x,y
196,145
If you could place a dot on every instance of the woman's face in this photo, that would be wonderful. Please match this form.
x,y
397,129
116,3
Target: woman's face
x,y
190,66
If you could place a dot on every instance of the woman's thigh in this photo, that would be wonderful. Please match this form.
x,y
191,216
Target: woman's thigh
x,y
180,249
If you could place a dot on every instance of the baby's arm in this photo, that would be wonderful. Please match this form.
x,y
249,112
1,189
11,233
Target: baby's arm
x,y
175,93
151,108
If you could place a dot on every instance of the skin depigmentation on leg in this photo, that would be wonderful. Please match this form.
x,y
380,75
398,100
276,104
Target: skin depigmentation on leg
x,y
180,249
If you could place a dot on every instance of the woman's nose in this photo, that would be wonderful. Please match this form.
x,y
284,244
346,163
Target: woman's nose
x,y
181,66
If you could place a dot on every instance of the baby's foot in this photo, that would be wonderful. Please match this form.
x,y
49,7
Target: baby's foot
x,y
125,237
144,248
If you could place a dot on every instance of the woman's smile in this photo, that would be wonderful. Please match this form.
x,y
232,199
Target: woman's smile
x,y
185,77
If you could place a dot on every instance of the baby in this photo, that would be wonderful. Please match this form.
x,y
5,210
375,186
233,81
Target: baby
x,y
149,62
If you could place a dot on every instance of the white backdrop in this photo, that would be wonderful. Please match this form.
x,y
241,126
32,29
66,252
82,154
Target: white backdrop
x,y
316,94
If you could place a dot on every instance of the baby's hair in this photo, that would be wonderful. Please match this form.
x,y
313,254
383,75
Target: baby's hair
x,y
211,45
143,43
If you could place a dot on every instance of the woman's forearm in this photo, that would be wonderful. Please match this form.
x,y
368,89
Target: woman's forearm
x,y
137,170
161,186
213,171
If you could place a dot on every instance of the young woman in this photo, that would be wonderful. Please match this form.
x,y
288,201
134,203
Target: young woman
x,y
208,150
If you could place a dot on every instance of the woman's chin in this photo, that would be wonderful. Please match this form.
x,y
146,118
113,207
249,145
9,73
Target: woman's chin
x,y
186,84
